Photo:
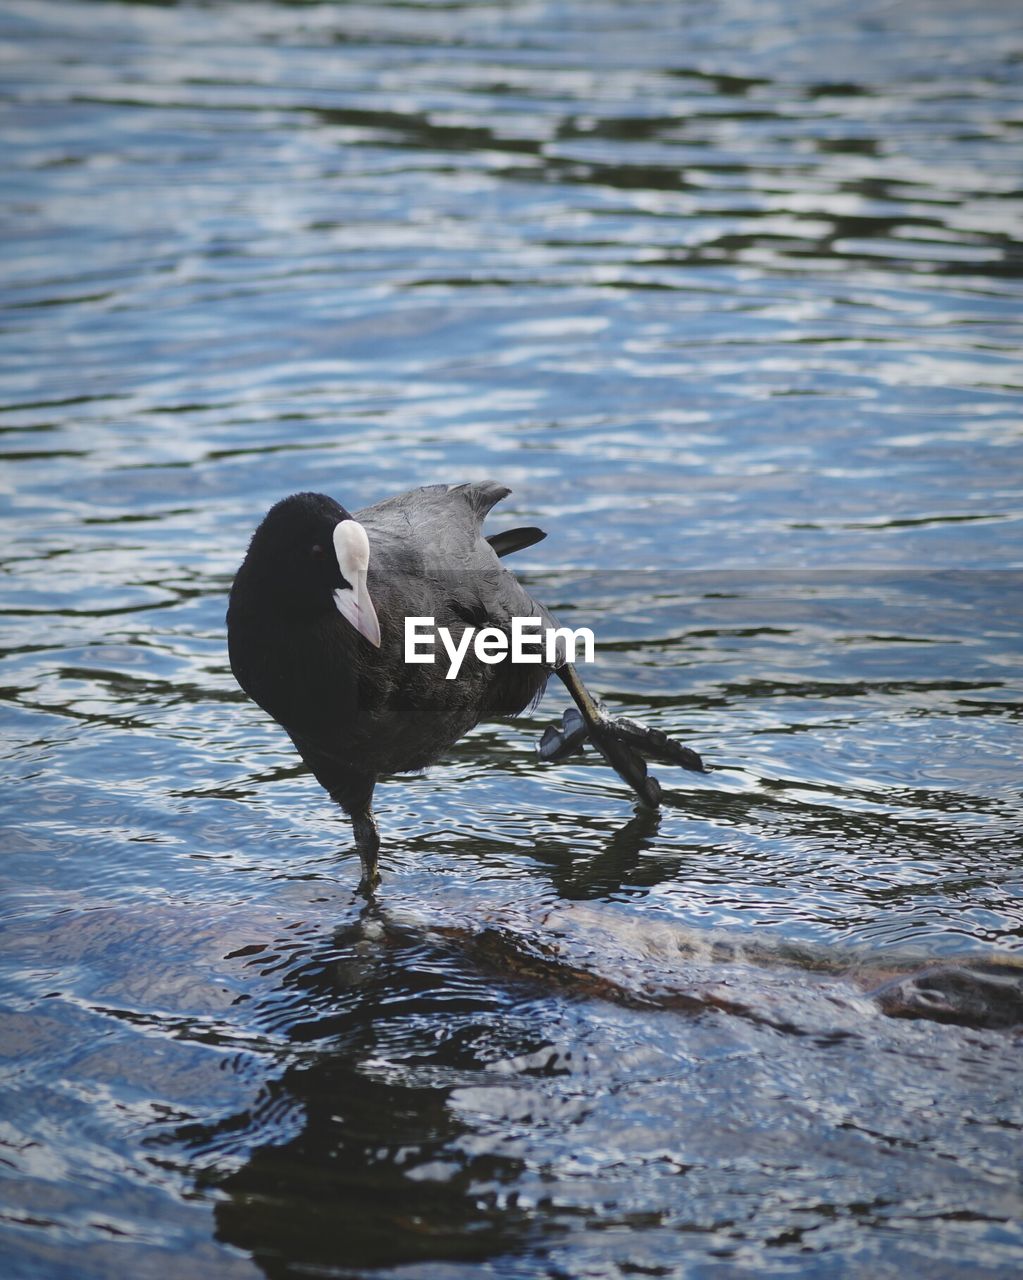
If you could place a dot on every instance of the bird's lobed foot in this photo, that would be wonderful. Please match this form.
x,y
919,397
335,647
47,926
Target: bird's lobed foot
x,y
627,763
656,745
623,743
558,743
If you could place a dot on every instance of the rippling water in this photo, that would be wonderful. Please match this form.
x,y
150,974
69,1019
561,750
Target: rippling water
x,y
730,295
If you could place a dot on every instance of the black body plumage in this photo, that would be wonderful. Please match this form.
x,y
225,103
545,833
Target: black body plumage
x,y
304,647
354,711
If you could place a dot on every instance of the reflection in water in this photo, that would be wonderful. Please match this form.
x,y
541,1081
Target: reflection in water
x,y
608,870
456,1113
731,301
383,1171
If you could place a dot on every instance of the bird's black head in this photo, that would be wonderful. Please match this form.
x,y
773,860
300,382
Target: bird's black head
x,y
308,557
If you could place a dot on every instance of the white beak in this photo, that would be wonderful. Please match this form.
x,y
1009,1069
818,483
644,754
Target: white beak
x,y
351,546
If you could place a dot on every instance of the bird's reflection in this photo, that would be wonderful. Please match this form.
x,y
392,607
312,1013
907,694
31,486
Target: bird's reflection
x,y
387,1018
619,864
380,1173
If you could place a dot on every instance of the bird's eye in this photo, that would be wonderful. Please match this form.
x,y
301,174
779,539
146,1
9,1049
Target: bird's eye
x,y
316,551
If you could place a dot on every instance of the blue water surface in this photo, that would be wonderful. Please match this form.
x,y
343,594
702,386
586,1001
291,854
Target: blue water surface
x,y
729,295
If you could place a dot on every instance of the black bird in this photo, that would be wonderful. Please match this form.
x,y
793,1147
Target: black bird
x,y
316,625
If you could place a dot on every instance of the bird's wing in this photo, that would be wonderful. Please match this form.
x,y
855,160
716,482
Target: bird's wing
x,y
435,509
427,547
481,495
440,525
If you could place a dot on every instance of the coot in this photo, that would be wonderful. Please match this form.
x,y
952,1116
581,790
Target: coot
x,y
316,635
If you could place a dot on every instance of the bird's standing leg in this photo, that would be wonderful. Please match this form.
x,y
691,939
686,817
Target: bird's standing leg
x,y
619,741
353,791
367,843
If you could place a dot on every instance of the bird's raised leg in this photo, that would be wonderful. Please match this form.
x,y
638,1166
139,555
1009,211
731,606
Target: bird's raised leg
x,y
619,741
